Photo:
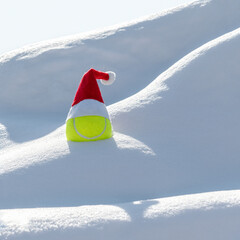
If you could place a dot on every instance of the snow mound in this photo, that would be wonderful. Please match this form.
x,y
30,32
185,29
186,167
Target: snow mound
x,y
183,217
174,112
187,128
44,77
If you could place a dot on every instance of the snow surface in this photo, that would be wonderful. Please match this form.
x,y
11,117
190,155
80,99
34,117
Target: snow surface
x,y
174,108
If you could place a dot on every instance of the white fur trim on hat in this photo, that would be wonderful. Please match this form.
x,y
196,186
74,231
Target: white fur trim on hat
x,y
112,78
88,107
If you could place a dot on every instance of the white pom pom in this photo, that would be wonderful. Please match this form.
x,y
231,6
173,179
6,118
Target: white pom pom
x,y
112,78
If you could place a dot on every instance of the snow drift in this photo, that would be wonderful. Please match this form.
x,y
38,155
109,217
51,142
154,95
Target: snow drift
x,y
175,114
208,215
48,73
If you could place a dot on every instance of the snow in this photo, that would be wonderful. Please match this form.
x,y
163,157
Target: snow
x,y
43,68
199,216
174,113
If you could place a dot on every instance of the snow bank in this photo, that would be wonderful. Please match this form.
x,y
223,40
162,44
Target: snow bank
x,y
44,77
184,147
176,132
201,216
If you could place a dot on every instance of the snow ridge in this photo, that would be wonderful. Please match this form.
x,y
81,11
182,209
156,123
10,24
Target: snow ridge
x,y
175,114
172,216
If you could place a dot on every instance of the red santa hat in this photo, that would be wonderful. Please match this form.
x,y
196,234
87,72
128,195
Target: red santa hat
x,y
88,100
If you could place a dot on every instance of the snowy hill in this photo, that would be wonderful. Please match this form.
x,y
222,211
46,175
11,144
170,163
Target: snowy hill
x,y
174,109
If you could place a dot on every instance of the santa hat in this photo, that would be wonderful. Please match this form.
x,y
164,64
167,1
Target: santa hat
x,y
88,100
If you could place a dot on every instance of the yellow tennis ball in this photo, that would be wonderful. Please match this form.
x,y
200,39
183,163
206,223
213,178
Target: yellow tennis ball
x,y
88,128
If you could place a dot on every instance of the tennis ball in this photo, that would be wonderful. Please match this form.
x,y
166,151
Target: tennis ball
x,y
88,128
